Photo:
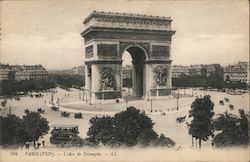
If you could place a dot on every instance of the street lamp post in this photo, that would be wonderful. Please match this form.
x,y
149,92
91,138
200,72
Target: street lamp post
x,y
151,105
148,95
177,100
79,93
58,102
83,94
126,100
90,96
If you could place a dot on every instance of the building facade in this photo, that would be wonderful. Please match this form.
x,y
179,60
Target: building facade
x,y
197,70
79,70
22,72
179,70
238,72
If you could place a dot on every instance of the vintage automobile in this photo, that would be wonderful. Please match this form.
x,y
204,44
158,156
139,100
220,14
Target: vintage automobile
x,y
65,114
78,115
226,99
63,135
54,108
26,111
40,110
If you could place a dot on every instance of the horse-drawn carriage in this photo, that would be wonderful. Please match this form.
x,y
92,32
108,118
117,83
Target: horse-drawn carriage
x,y
65,114
38,95
40,110
54,107
4,102
180,119
226,99
221,102
231,107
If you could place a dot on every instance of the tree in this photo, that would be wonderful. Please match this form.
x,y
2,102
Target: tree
x,y
35,126
202,112
163,141
12,130
130,124
147,137
128,128
233,130
101,130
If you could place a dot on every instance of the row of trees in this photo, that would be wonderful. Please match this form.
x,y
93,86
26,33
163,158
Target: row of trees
x,y
127,128
226,130
17,131
204,81
11,87
67,81
232,130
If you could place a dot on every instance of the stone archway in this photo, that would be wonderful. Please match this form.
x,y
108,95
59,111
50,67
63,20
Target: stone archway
x,y
139,56
146,38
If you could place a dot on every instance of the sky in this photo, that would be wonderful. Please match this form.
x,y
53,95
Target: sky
x,y
48,32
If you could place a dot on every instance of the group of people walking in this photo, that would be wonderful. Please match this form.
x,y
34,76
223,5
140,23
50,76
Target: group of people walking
x,y
36,145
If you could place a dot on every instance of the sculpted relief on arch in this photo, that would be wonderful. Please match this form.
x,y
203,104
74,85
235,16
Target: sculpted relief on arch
x,y
160,75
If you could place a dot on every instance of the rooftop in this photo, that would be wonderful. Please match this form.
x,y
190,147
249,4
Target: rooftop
x,y
64,126
133,15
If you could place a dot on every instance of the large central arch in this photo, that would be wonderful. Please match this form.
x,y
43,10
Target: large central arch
x,y
147,38
139,55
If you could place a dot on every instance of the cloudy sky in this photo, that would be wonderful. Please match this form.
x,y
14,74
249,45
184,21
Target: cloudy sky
x,y
48,32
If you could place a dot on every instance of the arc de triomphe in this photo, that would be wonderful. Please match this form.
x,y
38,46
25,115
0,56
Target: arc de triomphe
x,y
147,38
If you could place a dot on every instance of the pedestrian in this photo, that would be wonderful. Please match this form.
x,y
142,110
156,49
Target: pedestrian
x,y
38,145
27,145
43,142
